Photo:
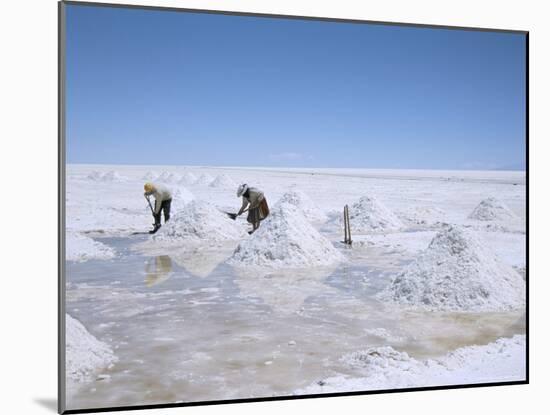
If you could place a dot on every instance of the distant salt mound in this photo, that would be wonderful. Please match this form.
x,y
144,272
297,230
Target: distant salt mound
x,y
286,240
95,176
111,176
85,355
164,176
204,179
304,203
491,209
167,177
188,178
223,181
457,273
200,220
150,175
369,215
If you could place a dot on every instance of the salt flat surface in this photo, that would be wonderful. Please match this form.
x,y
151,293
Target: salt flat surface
x,y
191,316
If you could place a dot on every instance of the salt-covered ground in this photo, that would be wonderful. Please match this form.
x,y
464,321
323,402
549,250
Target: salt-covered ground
x,y
431,292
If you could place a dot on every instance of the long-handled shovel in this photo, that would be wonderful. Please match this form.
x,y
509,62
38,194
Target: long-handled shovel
x,y
156,228
233,215
150,205
153,213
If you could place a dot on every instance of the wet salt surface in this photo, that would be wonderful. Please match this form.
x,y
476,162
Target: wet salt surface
x,y
228,335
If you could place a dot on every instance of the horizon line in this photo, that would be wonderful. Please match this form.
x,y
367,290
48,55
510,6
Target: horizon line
x,y
296,167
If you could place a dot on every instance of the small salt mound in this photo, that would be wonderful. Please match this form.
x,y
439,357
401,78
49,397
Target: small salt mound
x,y
188,178
167,177
457,273
387,368
85,355
150,175
223,181
111,176
95,175
204,179
491,209
286,240
375,358
369,215
304,203
200,220
164,176
80,248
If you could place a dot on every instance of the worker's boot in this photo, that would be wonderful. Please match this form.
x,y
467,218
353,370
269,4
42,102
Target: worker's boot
x,y
156,225
254,228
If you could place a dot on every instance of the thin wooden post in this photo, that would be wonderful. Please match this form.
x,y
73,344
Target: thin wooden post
x,y
345,225
349,227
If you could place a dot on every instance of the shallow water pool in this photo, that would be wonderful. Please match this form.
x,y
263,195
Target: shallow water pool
x,y
187,327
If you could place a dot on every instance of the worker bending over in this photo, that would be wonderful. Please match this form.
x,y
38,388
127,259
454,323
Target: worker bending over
x,y
256,202
163,200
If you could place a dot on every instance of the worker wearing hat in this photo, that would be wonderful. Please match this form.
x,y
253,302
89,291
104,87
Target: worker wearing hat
x,y
256,202
163,200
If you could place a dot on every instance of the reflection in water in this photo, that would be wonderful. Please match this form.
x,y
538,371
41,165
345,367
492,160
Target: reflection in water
x,y
199,260
284,291
158,270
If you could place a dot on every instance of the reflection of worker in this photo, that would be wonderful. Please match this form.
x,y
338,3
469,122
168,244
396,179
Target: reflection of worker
x,y
257,205
163,200
158,270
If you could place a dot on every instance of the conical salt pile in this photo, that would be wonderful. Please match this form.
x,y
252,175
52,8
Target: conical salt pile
x,y
110,176
491,209
457,273
85,355
188,178
286,240
304,203
95,176
167,177
204,179
223,181
369,215
150,175
200,221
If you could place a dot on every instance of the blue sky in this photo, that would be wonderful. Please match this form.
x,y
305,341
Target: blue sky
x,y
160,87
